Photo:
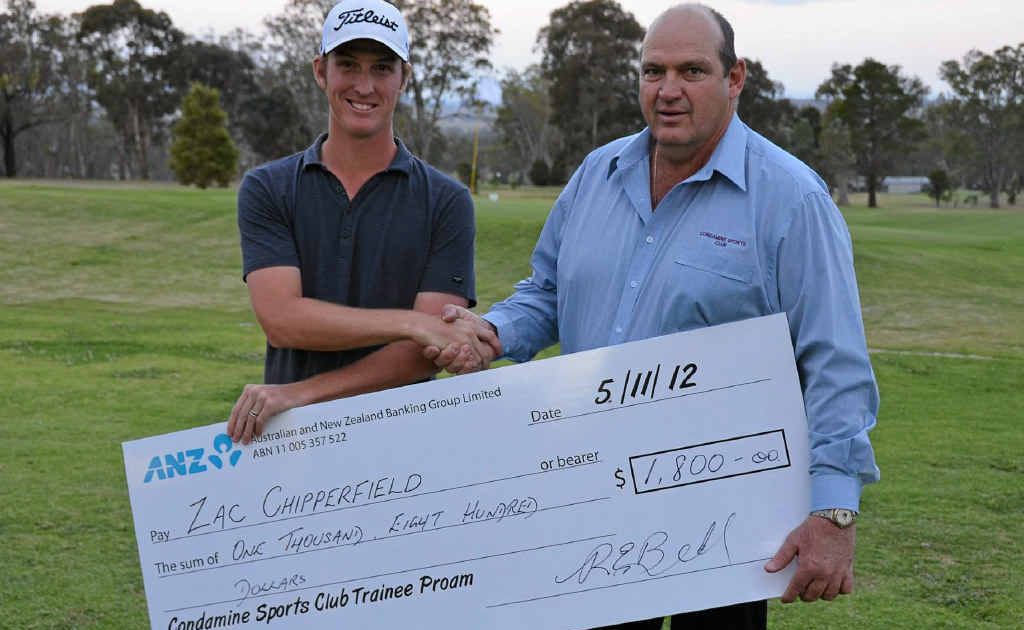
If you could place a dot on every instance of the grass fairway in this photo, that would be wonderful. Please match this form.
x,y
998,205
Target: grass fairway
x,y
122,315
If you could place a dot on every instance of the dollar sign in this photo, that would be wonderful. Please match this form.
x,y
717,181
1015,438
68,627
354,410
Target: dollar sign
x,y
620,480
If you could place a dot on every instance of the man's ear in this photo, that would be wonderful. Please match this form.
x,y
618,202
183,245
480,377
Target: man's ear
x,y
737,77
320,71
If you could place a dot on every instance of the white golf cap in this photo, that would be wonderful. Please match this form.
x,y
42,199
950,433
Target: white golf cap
x,y
366,19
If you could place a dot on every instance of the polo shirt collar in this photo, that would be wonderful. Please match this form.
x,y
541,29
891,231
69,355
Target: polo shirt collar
x,y
729,157
402,162
311,156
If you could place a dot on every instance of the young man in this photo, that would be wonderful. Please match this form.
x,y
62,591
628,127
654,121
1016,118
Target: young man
x,y
351,248
640,225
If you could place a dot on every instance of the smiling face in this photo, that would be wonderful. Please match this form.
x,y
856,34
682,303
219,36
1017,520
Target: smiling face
x,y
686,96
362,80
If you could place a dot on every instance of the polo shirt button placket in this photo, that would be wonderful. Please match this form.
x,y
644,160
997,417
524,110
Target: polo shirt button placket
x,y
346,220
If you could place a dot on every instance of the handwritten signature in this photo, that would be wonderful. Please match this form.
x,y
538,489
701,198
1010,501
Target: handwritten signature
x,y
655,556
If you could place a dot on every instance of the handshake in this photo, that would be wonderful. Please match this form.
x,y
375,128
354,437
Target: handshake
x,y
460,342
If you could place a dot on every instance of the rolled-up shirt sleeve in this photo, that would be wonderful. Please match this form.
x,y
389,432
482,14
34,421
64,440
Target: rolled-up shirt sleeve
x,y
817,289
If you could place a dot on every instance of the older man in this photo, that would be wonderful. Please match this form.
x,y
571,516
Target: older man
x,y
695,221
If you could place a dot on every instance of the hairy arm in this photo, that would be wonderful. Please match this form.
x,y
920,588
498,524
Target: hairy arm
x,y
398,363
292,321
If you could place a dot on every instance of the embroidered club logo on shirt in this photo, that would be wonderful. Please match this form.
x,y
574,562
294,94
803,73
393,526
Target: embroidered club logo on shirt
x,y
723,241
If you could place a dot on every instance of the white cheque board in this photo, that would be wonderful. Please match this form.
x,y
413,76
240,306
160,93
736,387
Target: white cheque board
x,y
616,484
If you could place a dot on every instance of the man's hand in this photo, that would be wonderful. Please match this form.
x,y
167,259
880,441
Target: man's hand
x,y
825,555
256,405
465,358
456,334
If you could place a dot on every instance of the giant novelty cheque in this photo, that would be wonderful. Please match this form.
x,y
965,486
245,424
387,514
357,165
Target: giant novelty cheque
x,y
610,485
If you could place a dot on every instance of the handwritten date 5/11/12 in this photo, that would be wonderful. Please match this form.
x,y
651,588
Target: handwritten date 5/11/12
x,y
643,384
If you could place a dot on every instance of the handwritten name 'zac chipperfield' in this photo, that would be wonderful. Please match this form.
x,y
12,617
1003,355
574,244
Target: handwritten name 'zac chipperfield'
x,y
355,16
325,601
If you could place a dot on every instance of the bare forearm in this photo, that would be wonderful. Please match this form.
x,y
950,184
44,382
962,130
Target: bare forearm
x,y
399,363
310,324
396,364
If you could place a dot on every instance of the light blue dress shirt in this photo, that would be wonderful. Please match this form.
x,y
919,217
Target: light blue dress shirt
x,y
753,232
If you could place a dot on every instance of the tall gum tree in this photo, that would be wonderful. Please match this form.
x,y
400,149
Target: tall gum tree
x,y
449,42
523,117
30,85
987,107
877,105
135,71
591,58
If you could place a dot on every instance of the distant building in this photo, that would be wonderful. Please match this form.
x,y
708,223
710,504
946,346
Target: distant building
x,y
904,185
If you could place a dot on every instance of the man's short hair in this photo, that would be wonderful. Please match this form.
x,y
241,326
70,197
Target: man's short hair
x,y
727,51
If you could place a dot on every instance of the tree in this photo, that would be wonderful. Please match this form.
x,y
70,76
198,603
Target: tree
x,y
762,107
540,174
945,141
939,185
232,72
1013,187
136,74
803,137
988,107
77,141
449,41
590,54
202,151
875,103
802,142
837,162
292,40
285,136
30,84
522,120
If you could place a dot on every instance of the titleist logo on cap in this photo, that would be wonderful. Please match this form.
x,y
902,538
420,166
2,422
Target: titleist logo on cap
x,y
356,16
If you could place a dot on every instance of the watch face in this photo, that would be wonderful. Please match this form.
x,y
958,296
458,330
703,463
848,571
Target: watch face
x,y
844,518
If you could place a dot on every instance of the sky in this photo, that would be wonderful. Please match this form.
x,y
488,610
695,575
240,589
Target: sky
x,y
797,41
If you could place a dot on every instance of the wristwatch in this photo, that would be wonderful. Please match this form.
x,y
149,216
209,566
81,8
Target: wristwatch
x,y
840,517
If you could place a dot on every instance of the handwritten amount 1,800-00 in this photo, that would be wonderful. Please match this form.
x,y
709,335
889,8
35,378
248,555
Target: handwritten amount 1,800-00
x,y
657,555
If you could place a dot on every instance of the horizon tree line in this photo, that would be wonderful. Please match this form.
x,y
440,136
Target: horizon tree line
x,y
109,113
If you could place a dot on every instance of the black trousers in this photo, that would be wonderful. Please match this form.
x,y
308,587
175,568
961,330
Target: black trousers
x,y
748,616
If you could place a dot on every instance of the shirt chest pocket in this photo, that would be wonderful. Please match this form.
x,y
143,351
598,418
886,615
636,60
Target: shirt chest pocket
x,y
726,267
709,289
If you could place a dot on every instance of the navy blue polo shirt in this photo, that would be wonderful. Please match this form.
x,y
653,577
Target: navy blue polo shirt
x,y
408,230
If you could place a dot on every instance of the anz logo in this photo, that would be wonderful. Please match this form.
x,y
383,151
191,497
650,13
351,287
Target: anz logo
x,y
191,462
